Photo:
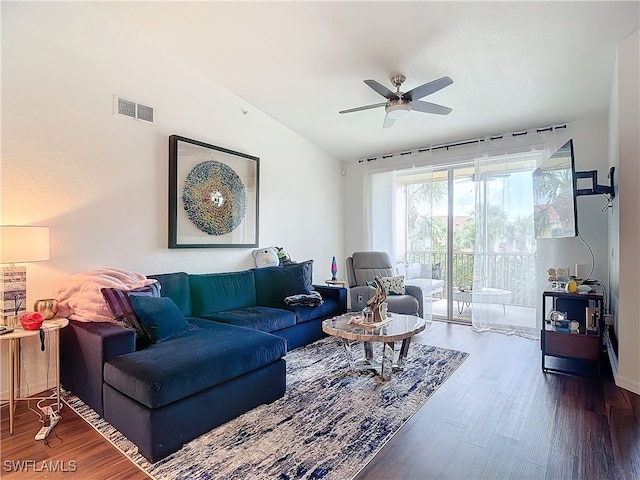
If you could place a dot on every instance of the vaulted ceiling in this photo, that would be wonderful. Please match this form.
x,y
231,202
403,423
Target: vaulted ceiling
x,y
514,65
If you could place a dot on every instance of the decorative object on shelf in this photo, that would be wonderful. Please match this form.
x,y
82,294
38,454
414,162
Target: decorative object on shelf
x,y
47,307
31,320
334,269
20,244
559,278
213,196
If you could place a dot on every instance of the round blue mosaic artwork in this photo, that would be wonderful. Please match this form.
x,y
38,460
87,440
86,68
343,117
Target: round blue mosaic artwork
x,y
214,198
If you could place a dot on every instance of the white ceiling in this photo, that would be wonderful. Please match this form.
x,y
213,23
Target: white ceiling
x,y
515,65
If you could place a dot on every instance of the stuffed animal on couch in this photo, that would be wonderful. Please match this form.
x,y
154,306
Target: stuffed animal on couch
x,y
283,256
266,257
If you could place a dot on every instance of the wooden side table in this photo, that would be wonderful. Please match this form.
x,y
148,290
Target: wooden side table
x,y
336,283
583,343
50,327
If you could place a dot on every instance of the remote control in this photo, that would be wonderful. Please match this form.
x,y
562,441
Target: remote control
x,y
6,330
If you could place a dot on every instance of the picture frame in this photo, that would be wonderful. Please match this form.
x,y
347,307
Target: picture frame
x,y
213,196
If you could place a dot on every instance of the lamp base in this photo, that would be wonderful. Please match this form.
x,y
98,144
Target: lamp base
x,y
13,292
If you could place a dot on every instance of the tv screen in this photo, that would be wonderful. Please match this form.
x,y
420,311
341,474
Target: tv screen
x,y
554,196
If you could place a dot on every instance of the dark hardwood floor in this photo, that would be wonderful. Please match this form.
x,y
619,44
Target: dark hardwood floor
x,y
73,450
497,417
500,417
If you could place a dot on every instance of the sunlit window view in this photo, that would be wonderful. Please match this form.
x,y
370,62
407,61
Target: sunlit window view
x,y
465,234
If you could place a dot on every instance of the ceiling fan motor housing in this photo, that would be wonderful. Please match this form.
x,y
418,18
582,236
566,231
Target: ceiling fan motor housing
x,y
396,109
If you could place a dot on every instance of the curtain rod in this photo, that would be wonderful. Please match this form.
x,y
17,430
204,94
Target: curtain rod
x,y
461,143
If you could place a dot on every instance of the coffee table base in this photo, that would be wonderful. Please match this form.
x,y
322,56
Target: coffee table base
x,y
384,368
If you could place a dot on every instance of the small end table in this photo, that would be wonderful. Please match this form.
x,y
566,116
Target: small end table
x,y
53,327
336,283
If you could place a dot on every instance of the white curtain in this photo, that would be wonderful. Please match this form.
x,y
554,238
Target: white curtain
x,y
382,213
504,267
507,280
392,201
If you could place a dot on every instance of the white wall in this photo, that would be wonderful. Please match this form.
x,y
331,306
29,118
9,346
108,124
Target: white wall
x,y
624,225
100,181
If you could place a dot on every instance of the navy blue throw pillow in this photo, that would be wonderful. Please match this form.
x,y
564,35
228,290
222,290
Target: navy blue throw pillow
x,y
274,284
160,317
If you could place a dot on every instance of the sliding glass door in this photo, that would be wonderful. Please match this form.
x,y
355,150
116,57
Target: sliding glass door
x,y
436,230
468,228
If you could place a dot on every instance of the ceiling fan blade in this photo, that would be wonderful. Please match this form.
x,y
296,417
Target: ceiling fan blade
x,y
388,122
381,89
366,107
428,88
427,107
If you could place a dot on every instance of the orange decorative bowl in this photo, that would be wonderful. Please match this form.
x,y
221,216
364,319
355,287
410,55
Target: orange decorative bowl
x,y
31,320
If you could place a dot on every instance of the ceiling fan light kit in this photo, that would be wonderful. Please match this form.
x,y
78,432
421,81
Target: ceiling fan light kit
x,y
398,109
399,104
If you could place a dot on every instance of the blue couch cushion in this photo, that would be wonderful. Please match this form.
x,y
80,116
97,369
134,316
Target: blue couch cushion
x,y
160,317
260,318
329,308
203,357
217,292
274,284
176,287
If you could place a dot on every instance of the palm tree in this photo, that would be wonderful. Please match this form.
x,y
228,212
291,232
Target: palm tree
x,y
519,232
424,229
464,239
553,191
490,226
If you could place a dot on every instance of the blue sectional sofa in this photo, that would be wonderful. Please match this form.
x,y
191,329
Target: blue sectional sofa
x,y
234,330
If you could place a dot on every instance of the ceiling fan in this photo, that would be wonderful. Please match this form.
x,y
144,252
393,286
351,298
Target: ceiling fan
x,y
399,104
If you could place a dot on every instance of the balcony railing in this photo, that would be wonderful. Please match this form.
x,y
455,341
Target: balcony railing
x,y
508,271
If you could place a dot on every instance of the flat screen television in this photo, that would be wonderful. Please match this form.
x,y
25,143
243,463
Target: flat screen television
x,y
554,195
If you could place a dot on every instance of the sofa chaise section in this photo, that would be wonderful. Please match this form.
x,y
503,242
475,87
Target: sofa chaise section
x,y
160,404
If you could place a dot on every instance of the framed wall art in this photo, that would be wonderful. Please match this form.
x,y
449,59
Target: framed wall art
x,y
213,196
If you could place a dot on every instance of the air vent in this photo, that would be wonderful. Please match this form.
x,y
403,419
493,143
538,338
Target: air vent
x,y
126,108
144,112
131,109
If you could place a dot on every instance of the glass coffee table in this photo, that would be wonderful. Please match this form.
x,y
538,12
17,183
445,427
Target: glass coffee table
x,y
395,328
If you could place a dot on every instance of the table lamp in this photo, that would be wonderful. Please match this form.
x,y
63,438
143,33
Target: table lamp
x,y
18,244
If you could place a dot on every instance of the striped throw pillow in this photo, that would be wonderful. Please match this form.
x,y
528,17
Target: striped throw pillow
x,y
120,304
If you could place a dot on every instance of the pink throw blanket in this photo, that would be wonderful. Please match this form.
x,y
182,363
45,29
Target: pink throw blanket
x,y
79,296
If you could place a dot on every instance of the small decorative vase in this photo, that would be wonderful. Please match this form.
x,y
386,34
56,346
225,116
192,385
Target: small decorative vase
x,y
47,307
334,269
367,314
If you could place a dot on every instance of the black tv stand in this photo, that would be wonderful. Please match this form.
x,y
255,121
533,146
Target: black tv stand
x,y
595,188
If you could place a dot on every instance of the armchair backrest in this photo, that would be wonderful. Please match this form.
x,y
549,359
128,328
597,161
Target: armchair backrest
x,y
363,267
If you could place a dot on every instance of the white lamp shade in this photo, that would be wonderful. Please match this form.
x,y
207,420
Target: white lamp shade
x,y
24,244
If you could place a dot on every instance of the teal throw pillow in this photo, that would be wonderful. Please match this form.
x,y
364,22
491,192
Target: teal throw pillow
x,y
160,317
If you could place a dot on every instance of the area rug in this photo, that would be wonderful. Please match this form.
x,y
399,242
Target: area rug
x,y
329,424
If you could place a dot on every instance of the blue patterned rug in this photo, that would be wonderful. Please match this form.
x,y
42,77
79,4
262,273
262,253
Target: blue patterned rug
x,y
329,424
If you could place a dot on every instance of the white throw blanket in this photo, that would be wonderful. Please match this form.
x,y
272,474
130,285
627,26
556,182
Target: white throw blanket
x,y
79,296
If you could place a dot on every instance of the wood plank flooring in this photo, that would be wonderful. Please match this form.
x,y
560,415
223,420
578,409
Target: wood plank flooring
x,y
497,417
73,450
500,417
